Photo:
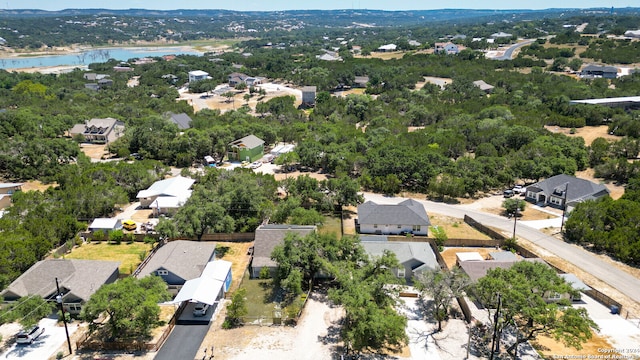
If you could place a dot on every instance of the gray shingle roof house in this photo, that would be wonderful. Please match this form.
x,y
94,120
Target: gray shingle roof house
x,y
553,191
408,216
413,256
309,95
78,280
249,148
599,71
179,261
182,120
477,269
267,237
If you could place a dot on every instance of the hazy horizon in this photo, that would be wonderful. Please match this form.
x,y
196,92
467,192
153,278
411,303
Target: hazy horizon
x,y
281,5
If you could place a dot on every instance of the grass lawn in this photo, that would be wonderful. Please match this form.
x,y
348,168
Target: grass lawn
x,y
331,225
260,297
127,254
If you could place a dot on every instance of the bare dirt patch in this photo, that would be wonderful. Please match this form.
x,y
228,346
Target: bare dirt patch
x,y
238,254
36,185
94,151
550,347
588,133
616,191
294,174
449,254
456,228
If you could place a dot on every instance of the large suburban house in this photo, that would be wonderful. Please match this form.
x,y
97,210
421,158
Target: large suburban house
x,y
99,131
407,217
6,190
249,148
237,78
599,71
78,280
564,191
178,261
414,257
447,48
166,196
266,239
197,75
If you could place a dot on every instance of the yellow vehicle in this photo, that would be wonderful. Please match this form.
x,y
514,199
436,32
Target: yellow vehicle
x,y
129,225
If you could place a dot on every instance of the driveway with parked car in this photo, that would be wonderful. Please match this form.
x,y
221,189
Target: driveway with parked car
x,y
43,346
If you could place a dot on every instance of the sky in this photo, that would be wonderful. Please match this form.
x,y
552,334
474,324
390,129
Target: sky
x,y
268,5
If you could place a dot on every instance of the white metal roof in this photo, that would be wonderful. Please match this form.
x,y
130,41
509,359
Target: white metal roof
x,y
198,73
469,256
169,187
202,289
105,223
217,269
616,100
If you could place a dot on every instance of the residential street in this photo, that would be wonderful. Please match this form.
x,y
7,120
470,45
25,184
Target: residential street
x,y
586,261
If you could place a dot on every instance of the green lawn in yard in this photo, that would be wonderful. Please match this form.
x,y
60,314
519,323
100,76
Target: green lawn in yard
x,y
331,225
128,254
260,297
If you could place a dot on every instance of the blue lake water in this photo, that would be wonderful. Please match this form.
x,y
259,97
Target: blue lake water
x,y
93,56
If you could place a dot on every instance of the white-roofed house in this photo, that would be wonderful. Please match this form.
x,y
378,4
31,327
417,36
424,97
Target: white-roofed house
x,y
105,224
174,191
197,75
6,190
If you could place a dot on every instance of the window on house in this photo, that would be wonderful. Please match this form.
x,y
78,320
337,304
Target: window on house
x,y
74,307
162,272
375,226
401,272
555,296
416,228
399,226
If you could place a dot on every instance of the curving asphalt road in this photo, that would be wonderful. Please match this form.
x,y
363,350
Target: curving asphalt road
x,y
586,261
508,54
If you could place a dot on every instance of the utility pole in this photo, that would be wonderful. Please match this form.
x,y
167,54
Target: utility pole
x,y
564,207
64,319
515,218
496,344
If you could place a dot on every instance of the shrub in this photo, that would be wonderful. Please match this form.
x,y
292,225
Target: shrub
x,y
59,355
265,273
116,236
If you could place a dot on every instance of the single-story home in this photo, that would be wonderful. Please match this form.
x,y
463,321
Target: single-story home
x,y
480,84
78,280
476,269
414,257
408,216
105,224
599,71
388,47
267,238
99,131
447,48
175,190
250,148
178,261
561,190
360,81
182,120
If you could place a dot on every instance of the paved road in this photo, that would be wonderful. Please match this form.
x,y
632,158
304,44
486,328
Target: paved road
x,y
586,261
45,346
508,54
183,343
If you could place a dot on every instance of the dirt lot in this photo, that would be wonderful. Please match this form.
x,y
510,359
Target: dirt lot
x,y
449,254
588,133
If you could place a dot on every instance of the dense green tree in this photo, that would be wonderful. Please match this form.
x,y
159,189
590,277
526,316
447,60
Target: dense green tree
x,y
131,306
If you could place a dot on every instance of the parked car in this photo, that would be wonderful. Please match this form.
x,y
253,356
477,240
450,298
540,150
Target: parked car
x,y
29,336
508,193
129,225
200,309
256,164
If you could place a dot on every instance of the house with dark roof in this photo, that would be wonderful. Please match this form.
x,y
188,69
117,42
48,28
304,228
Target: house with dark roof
x,y
99,131
564,191
78,280
250,148
267,238
599,71
182,120
414,257
178,261
406,217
